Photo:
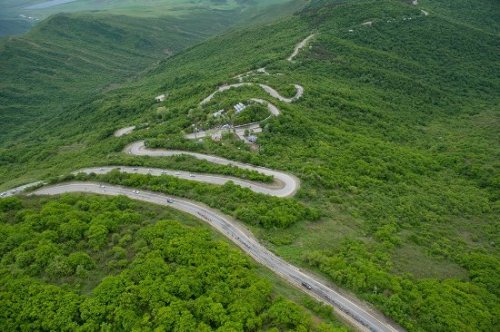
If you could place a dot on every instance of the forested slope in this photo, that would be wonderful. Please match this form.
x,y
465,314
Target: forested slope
x,y
69,58
480,15
92,263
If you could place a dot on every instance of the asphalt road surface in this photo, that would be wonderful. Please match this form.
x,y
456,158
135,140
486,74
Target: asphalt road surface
x,y
275,94
279,188
20,189
289,183
272,109
356,313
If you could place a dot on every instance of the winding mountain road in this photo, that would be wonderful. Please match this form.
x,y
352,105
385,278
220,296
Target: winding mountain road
x,y
240,132
287,184
272,109
358,314
124,131
284,185
272,92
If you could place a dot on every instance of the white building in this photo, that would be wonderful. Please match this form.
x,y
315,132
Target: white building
x,y
240,107
160,98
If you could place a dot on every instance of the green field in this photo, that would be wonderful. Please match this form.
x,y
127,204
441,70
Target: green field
x,y
395,142
17,16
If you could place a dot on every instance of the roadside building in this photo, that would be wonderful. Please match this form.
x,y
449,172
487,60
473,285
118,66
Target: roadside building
x,y
160,98
217,137
252,139
240,107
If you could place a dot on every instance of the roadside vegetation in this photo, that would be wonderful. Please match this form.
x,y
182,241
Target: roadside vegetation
x,y
243,204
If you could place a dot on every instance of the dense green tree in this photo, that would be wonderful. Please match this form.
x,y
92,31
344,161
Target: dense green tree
x,y
163,276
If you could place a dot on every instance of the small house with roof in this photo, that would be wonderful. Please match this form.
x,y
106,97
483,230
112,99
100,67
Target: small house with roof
x,y
160,98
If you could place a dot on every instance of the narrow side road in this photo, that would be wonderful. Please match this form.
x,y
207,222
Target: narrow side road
x,y
290,182
300,46
124,131
272,92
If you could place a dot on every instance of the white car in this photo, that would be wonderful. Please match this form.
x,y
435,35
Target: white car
x,y
169,200
191,175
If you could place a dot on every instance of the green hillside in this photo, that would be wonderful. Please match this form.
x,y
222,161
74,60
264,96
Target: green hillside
x,y
85,263
68,58
395,142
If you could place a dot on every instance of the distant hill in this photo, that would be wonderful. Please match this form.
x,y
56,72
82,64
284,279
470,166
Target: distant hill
x,y
70,57
17,17
13,26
